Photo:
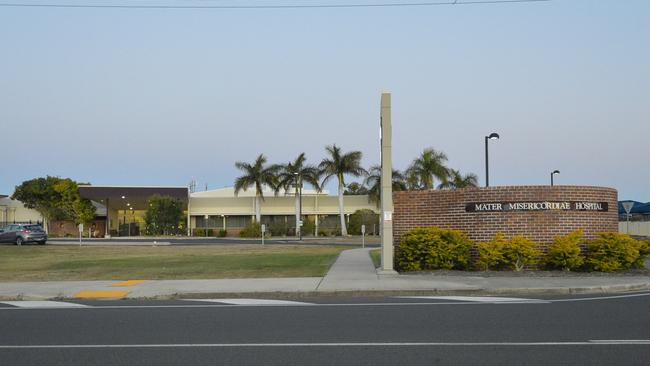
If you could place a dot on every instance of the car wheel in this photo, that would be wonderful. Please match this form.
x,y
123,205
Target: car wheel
x,y
19,241
42,242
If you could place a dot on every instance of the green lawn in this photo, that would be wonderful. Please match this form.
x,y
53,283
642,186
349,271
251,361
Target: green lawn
x,y
57,263
376,257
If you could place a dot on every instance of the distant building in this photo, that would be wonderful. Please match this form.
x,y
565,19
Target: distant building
x,y
225,210
121,209
639,219
14,212
640,211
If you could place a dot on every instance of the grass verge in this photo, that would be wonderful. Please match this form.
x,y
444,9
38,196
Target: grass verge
x,y
50,263
375,255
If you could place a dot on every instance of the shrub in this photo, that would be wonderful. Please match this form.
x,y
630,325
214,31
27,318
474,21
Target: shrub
x,y
564,253
252,230
278,228
308,227
202,232
223,233
613,251
362,217
520,252
644,250
490,254
499,253
323,232
433,248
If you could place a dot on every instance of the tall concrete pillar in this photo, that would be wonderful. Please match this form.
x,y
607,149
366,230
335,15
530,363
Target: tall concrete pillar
x,y
386,187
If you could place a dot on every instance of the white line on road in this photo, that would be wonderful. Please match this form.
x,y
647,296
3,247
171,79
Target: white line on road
x,y
338,344
490,299
602,297
251,301
43,304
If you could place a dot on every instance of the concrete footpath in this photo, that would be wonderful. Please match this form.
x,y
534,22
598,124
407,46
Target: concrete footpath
x,y
352,274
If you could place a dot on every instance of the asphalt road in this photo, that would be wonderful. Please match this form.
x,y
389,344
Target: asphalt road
x,y
331,331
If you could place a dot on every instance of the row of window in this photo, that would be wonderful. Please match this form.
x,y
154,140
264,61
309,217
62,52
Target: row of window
x,y
238,222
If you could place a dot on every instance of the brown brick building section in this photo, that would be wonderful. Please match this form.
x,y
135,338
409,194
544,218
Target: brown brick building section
x,y
446,208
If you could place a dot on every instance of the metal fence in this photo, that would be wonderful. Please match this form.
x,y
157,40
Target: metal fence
x,y
30,222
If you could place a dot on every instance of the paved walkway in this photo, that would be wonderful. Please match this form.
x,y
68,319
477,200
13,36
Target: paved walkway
x,y
352,273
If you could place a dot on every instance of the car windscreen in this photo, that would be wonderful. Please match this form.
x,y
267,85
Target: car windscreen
x,y
33,227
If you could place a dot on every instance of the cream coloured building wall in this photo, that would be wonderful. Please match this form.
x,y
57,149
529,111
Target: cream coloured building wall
x,y
311,205
224,202
15,211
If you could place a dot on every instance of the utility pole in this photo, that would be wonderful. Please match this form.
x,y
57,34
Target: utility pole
x,y
386,187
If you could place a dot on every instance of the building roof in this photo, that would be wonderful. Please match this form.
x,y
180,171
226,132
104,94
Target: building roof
x,y
268,192
638,208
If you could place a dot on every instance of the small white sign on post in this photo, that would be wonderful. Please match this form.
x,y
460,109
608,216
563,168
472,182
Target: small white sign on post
x,y
627,206
388,216
363,236
81,232
263,231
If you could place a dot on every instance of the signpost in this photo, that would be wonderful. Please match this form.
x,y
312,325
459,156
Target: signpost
x,y
627,206
81,232
363,236
263,231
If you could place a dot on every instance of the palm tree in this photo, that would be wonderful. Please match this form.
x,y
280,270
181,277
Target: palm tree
x,y
458,180
293,174
426,168
257,174
355,189
339,165
373,181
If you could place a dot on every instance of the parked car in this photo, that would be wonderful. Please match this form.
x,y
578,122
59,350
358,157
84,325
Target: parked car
x,y
23,233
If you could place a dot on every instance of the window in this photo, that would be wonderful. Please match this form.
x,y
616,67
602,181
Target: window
x,y
237,222
214,222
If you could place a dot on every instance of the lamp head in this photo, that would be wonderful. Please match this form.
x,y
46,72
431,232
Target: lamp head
x,y
493,136
556,172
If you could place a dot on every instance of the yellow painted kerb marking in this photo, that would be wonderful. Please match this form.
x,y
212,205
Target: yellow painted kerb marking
x,y
128,283
101,294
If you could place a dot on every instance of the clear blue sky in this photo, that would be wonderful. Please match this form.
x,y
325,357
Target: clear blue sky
x,y
156,97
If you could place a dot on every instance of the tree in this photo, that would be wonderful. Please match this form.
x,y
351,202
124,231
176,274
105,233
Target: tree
x,y
55,199
458,180
430,165
256,175
339,165
355,189
363,217
373,182
164,215
293,174
78,209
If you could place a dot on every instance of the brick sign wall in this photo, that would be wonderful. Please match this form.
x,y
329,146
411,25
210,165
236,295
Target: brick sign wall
x,y
537,212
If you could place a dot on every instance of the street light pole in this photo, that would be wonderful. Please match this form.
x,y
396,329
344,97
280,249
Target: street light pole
x,y
298,181
552,174
492,136
300,208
